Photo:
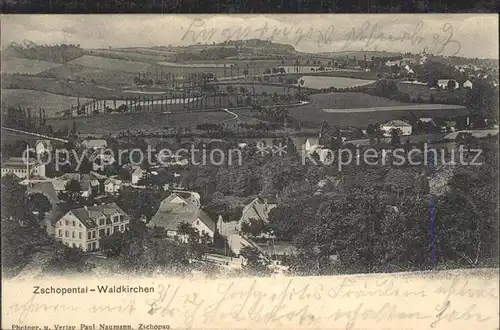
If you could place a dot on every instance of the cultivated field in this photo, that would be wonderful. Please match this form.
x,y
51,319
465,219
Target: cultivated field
x,y
112,64
84,73
52,103
144,55
26,66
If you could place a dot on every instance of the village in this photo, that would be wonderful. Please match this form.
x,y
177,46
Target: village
x,y
265,171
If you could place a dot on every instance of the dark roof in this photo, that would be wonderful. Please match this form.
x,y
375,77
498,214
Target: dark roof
x,y
88,215
83,215
207,220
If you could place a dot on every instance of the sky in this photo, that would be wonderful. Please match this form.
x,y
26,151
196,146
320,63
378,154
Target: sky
x,y
465,35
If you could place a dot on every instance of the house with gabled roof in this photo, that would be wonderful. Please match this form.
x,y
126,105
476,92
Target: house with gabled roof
x,y
83,227
257,209
178,208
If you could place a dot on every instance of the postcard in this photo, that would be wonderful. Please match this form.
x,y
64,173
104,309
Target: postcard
x,y
249,172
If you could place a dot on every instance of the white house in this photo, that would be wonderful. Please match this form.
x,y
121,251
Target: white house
x,y
403,127
84,226
311,144
467,84
23,168
137,175
182,207
112,185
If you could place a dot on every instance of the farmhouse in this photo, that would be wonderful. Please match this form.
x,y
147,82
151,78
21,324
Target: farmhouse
x,y
177,209
403,127
84,226
23,168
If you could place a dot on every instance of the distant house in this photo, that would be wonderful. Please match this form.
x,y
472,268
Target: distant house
x,y
467,84
257,209
88,182
94,144
177,209
403,127
391,63
311,144
137,175
448,126
84,226
100,159
23,168
112,185
427,124
443,83
43,146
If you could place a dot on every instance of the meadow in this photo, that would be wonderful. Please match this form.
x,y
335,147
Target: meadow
x,y
26,66
52,103
100,76
345,105
319,82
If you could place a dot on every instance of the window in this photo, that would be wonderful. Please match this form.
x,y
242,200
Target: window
x,y
102,233
80,225
73,235
80,235
108,231
115,218
115,229
60,233
89,247
74,223
121,227
66,233
93,234
66,222
89,235
197,222
102,222
94,246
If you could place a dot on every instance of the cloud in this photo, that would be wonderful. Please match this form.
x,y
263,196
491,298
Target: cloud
x,y
477,34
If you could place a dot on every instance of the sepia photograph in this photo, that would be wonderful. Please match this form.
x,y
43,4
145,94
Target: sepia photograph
x,y
254,171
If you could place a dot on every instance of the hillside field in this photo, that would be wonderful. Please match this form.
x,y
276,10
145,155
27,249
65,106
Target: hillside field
x,y
52,103
25,66
143,121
